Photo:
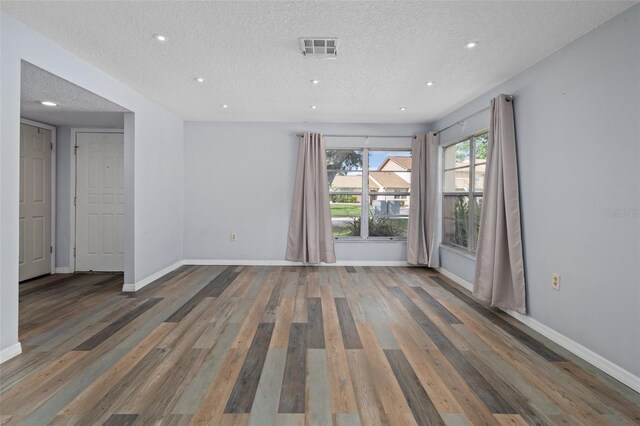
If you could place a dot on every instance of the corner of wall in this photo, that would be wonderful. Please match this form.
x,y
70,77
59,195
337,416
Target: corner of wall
x,y
10,352
135,286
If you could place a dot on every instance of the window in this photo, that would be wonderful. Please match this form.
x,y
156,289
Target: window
x,y
380,209
462,184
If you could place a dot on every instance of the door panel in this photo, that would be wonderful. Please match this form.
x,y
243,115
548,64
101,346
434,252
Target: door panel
x,y
35,202
99,202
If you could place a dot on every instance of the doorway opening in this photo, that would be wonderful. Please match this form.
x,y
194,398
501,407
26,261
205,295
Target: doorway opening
x,y
72,178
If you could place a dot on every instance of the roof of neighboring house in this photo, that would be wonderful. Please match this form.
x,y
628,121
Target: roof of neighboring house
x,y
377,180
403,162
388,180
354,182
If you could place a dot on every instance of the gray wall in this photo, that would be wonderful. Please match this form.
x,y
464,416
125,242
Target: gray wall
x,y
578,130
239,177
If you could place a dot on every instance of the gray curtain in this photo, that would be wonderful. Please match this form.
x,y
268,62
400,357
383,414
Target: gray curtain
x,y
499,278
310,235
423,232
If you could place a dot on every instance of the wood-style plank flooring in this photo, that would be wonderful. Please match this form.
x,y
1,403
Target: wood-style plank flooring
x,y
291,346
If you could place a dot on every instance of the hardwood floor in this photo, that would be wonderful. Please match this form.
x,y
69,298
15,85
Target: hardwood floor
x,y
290,345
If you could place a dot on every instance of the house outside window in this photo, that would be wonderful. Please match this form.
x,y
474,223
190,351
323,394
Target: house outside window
x,y
464,165
381,210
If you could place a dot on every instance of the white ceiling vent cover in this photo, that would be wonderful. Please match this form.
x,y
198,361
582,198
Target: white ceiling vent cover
x,y
319,47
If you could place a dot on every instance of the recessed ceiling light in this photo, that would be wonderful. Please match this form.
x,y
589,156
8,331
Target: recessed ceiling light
x,y
313,107
402,108
199,79
471,44
429,83
314,81
225,106
159,37
49,103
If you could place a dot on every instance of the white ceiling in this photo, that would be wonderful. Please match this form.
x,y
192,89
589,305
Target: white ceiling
x,y
76,106
250,56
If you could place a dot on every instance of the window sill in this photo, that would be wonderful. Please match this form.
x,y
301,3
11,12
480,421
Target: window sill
x,y
459,252
369,240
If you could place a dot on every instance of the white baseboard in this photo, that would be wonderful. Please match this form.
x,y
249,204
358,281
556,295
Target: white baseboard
x,y
239,262
289,263
63,270
130,288
598,361
457,279
370,263
8,353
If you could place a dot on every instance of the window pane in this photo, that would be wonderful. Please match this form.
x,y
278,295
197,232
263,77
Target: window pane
x,y
389,171
390,161
479,178
388,184
351,182
476,222
455,233
344,174
481,147
344,170
345,219
388,215
456,180
457,155
478,201
456,219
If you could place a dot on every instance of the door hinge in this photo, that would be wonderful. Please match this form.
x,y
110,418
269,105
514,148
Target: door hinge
x,y
75,201
51,146
50,249
75,150
74,252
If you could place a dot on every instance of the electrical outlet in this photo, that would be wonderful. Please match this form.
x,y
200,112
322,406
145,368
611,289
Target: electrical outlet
x,y
233,236
555,281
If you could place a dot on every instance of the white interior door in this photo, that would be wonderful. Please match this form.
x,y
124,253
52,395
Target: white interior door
x,y
99,202
35,202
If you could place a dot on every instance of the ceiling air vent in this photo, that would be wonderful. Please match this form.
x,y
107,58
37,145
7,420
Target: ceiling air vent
x,y
319,47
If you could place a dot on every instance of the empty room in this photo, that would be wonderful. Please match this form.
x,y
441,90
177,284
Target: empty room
x,y
319,212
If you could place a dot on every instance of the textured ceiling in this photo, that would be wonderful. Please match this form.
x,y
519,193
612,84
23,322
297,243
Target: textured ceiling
x,y
76,106
249,52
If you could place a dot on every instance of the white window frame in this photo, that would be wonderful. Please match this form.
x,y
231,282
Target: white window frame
x,y
472,194
364,195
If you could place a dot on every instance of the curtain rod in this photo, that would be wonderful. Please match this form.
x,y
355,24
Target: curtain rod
x,y
358,136
460,121
468,117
